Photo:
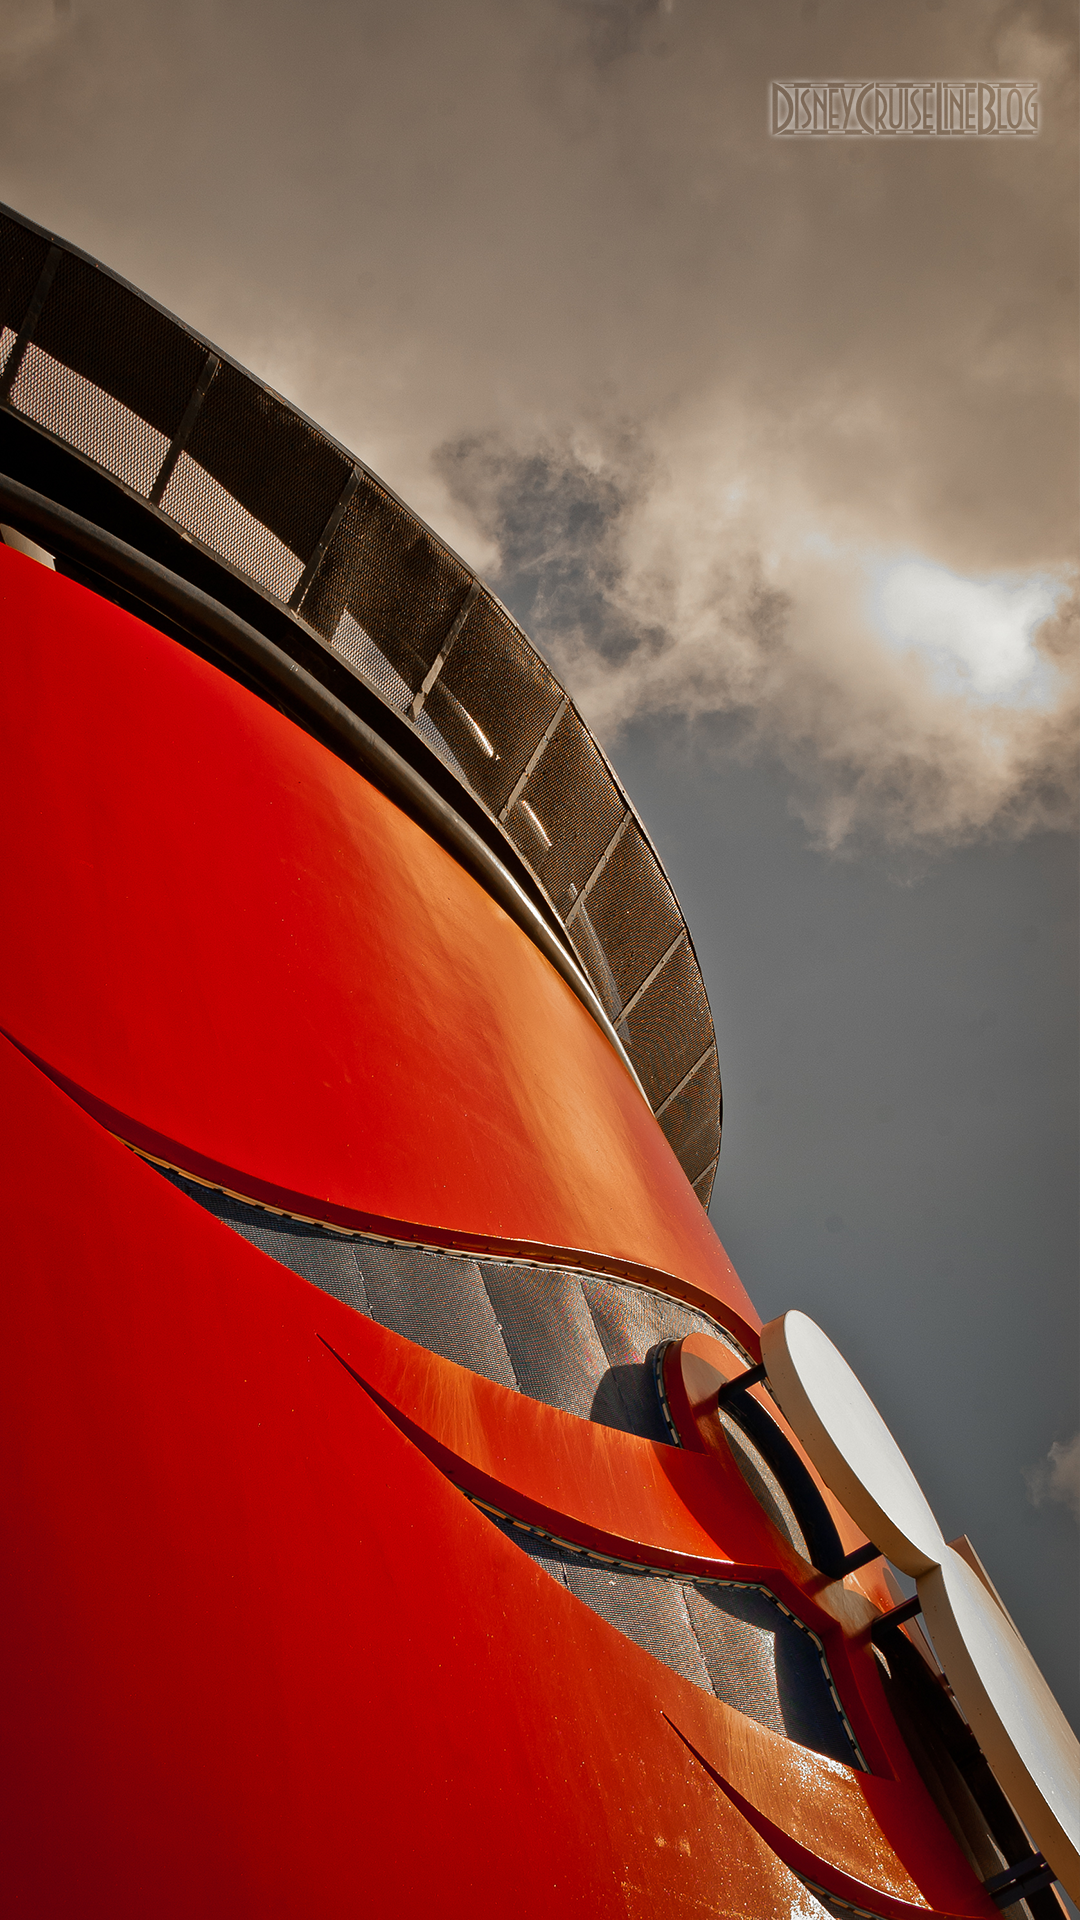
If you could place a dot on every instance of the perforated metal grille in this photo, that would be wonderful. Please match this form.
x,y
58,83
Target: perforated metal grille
x,y
731,1639
118,341
703,1185
583,1343
76,410
669,1025
356,646
385,570
579,806
282,471
493,700
634,912
22,256
578,1341
689,1120
764,1485
92,362
216,517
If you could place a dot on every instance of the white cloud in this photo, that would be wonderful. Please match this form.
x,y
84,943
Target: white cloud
x,y
1056,1480
978,635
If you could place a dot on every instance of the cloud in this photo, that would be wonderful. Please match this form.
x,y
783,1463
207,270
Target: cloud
x,y
679,385
657,597
1056,1480
978,634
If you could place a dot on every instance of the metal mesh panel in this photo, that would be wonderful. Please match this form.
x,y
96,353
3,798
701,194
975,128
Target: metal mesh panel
x,y
428,731
633,911
652,1612
215,516
113,338
630,1323
670,1027
631,1320
764,1663
703,1186
545,1553
110,375
739,1647
70,406
492,701
572,794
438,1302
22,256
325,1259
736,1642
690,1123
281,470
549,1332
359,649
393,578
587,946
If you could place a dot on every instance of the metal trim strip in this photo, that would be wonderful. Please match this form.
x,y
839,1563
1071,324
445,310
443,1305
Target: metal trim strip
x,y
650,977
183,432
442,656
600,865
534,759
685,1082
296,598
30,319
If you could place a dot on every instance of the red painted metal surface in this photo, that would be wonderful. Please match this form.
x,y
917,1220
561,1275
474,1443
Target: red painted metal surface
x,y
253,963
270,1659
630,1498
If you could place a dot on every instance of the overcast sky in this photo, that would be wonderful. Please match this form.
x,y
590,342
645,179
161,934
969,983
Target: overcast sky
x,y
771,446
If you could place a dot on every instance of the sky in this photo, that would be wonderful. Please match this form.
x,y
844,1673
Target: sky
x,y
770,445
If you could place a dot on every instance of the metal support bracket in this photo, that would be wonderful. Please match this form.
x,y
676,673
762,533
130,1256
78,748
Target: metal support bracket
x,y
594,876
895,1617
183,432
439,661
650,977
1015,1883
750,1378
325,537
534,759
30,320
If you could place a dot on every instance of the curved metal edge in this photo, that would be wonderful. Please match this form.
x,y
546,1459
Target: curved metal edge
x,y
352,738
269,616
360,466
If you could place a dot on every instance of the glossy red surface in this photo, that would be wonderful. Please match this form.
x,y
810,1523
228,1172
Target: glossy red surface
x,y
630,1498
250,961
270,1661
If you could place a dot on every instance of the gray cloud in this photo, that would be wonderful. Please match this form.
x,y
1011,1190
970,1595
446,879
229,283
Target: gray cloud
x,y
676,384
